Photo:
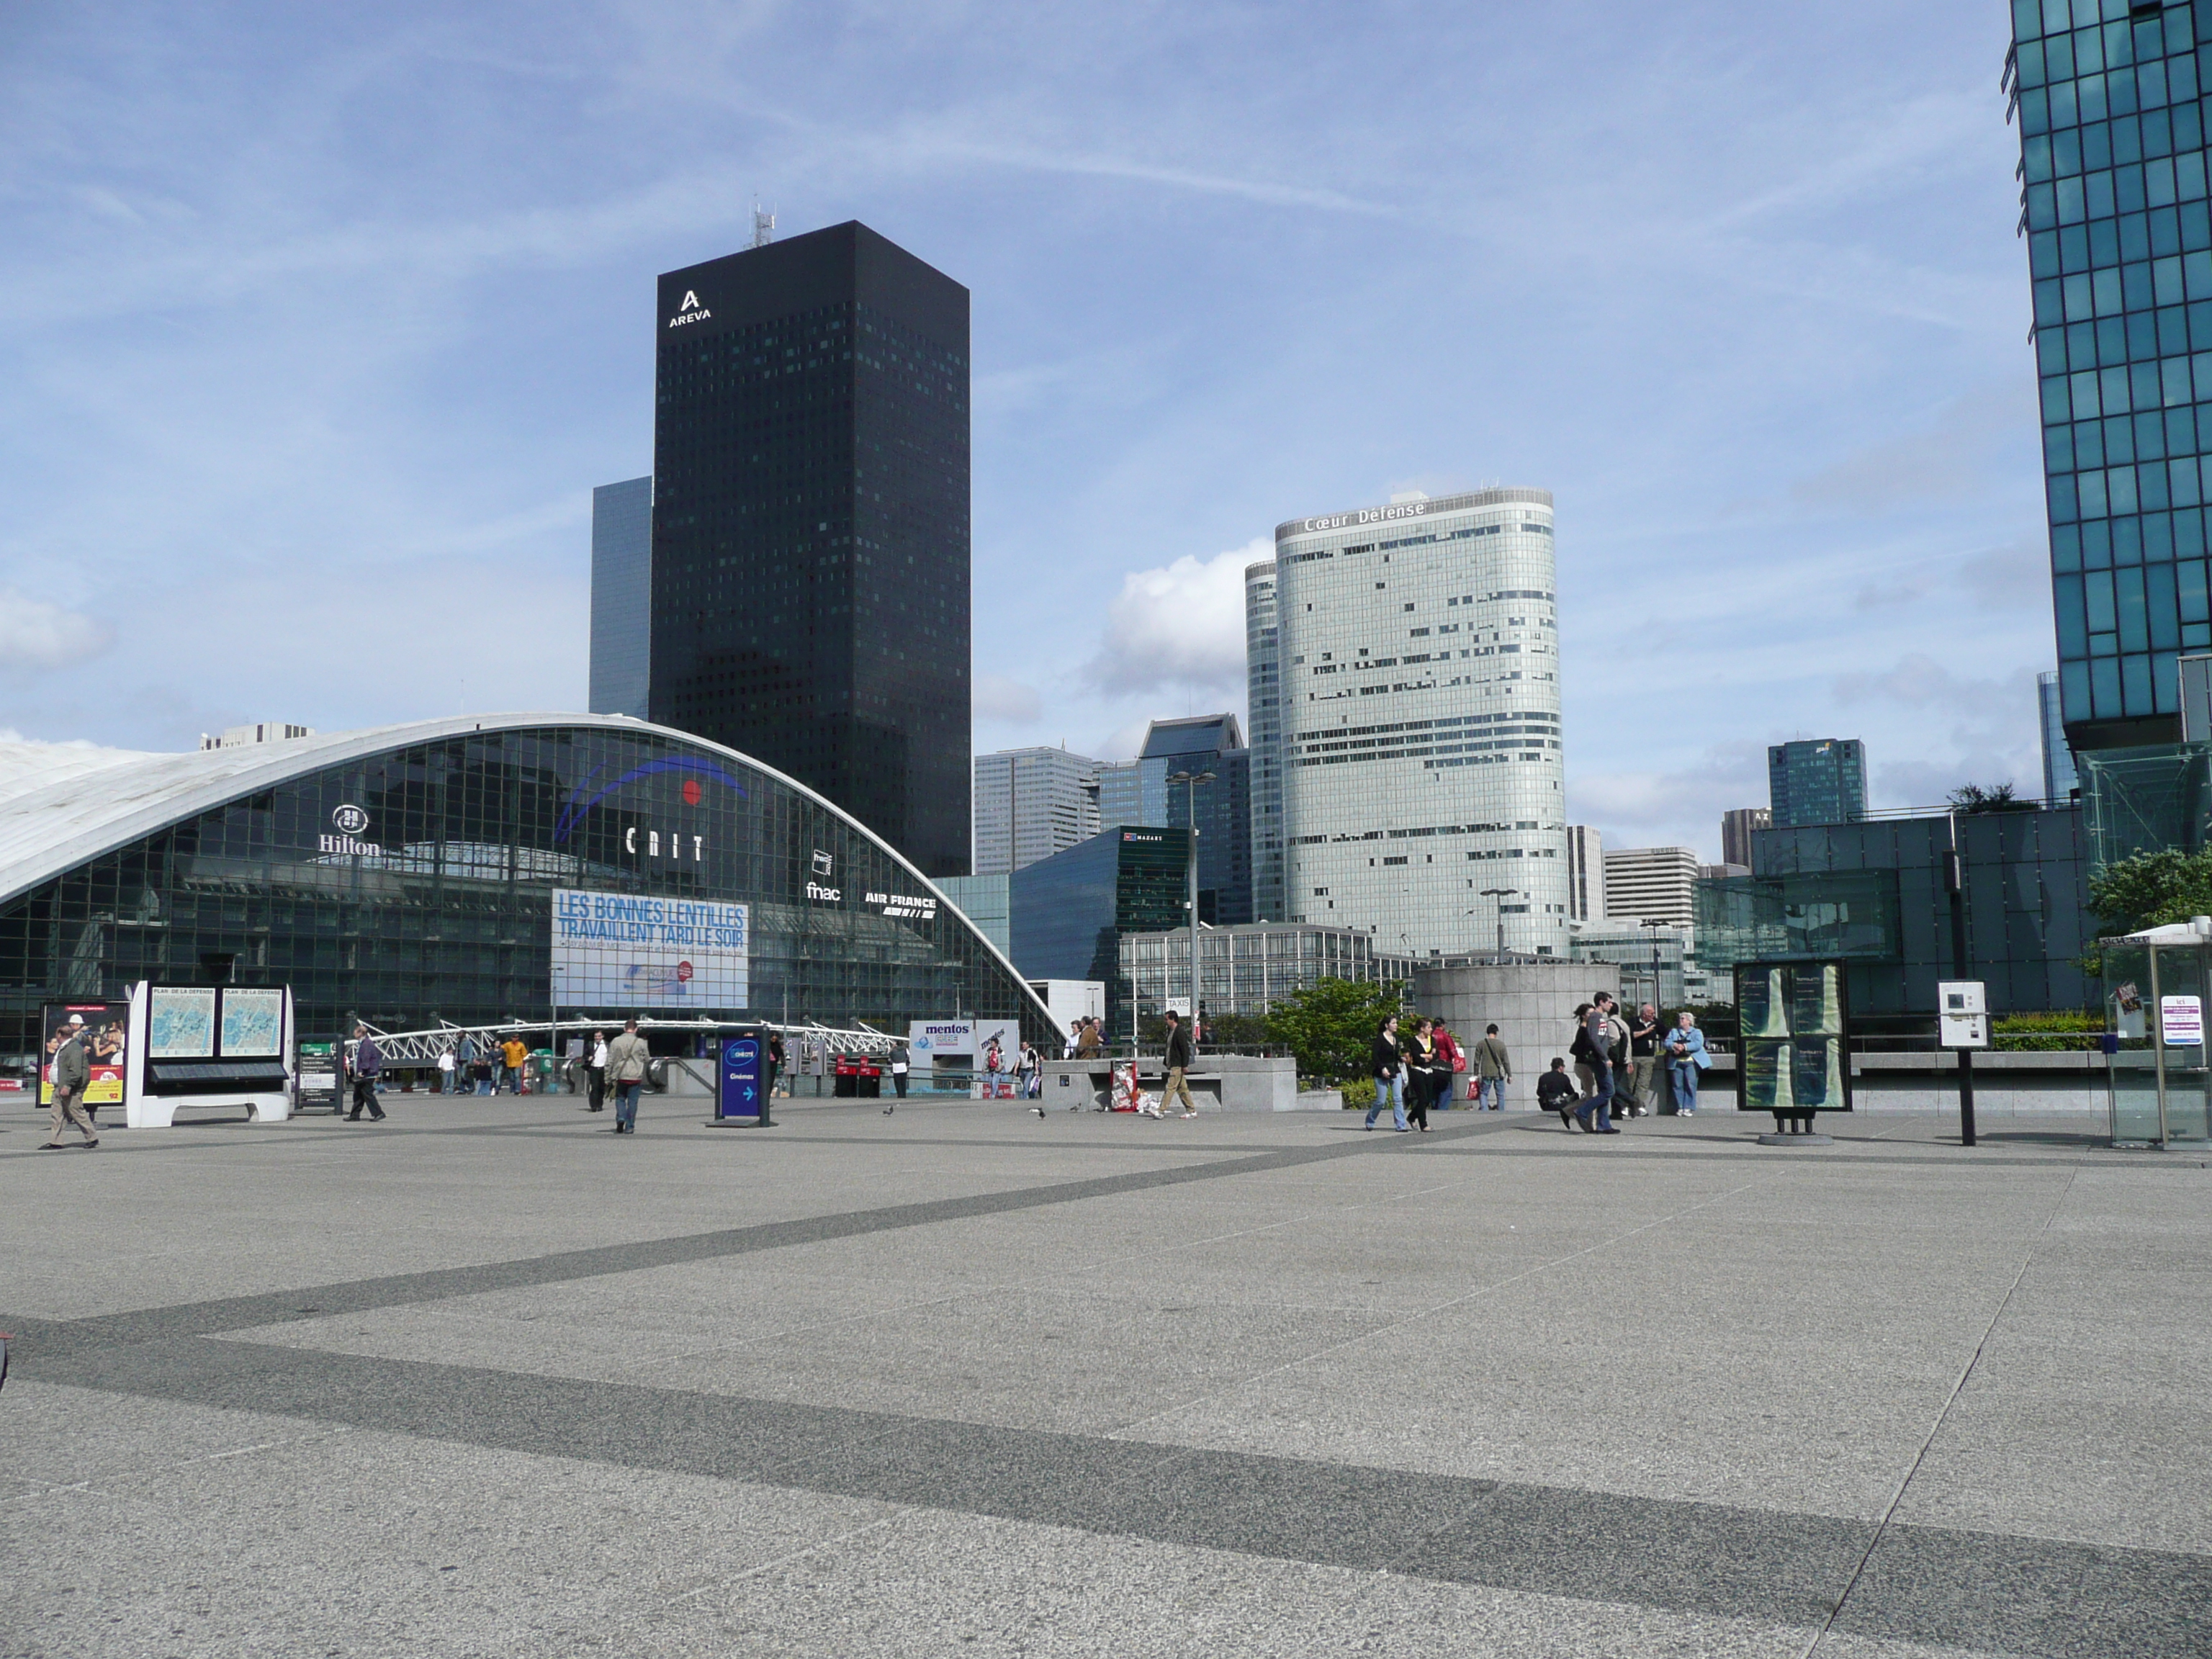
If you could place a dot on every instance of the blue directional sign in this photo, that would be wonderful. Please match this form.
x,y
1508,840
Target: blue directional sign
x,y
740,1093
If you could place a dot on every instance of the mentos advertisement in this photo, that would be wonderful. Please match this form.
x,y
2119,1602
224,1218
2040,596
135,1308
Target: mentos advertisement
x,y
104,1025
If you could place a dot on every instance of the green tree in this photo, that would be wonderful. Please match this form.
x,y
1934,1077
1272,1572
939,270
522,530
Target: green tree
x,y
1330,1025
1996,797
2151,890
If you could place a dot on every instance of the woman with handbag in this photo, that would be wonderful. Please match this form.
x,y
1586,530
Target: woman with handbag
x,y
1420,1054
1451,1061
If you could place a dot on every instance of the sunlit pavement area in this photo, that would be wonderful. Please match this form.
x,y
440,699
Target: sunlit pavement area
x,y
486,1379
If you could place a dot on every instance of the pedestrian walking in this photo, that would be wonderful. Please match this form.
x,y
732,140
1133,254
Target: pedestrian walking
x,y
513,1054
1419,1050
72,1071
1030,1070
1178,1059
902,1062
775,1063
368,1061
1088,1043
1451,1063
1493,1070
445,1073
1687,1056
1643,1059
627,1060
1556,1092
1388,1071
595,1070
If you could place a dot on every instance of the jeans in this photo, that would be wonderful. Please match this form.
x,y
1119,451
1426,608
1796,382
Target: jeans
x,y
1490,1094
626,1103
1601,1100
1391,1090
510,1079
1683,1074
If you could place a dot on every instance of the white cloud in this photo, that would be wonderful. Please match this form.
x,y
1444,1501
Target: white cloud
x,y
38,633
1181,624
998,698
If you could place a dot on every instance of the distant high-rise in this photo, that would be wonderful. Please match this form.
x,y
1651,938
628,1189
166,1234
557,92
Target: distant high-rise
x,y
1736,827
1418,644
810,525
2112,199
1651,883
1816,780
1030,804
2059,778
1585,874
1139,792
622,597
1264,692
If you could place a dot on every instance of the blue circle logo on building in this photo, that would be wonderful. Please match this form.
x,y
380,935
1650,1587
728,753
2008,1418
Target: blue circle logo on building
x,y
349,819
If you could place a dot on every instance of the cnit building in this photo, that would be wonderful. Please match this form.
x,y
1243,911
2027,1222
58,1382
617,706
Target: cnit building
x,y
1409,766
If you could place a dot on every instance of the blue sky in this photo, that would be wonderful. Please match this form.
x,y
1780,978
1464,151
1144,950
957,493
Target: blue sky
x,y
318,324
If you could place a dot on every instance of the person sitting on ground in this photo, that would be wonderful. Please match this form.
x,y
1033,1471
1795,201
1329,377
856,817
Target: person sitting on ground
x,y
1556,1092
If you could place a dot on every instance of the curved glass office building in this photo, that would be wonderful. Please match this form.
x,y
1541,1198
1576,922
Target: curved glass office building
x,y
475,870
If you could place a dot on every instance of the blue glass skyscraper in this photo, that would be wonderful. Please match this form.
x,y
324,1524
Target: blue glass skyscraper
x,y
2120,235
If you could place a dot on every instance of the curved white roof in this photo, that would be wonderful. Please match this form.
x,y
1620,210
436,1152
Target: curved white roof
x,y
64,804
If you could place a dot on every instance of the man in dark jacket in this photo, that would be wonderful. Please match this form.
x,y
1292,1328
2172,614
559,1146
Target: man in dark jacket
x,y
1388,1072
72,1071
368,1061
1179,1059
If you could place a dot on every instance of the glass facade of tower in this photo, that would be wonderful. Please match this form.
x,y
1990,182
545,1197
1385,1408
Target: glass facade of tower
x,y
1070,911
810,525
622,597
1264,699
2119,235
1816,780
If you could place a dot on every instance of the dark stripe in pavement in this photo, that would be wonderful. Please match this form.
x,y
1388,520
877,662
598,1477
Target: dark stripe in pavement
x,y
399,1290
1981,1591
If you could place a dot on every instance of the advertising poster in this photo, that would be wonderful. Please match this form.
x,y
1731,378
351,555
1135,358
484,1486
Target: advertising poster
x,y
1792,1052
181,1021
105,1024
252,1024
626,951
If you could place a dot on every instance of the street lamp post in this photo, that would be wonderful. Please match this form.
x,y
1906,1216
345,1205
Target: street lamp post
x,y
1654,927
1501,894
1190,780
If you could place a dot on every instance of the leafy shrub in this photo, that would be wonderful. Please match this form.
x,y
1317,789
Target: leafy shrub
x,y
2024,1032
1359,1094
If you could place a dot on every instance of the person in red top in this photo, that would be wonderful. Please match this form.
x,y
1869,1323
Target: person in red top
x,y
1451,1062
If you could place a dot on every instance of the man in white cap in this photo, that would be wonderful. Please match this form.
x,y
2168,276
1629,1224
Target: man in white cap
x,y
72,1071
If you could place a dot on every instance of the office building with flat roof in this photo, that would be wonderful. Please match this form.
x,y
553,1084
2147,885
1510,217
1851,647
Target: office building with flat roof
x,y
1144,791
622,598
1030,804
1423,788
1068,912
1816,780
1651,883
1737,826
1248,969
1263,703
810,525
2119,249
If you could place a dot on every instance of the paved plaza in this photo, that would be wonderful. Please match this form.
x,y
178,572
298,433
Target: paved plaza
x,y
486,1380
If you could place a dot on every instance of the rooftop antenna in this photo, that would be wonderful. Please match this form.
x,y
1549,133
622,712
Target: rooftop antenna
x,y
764,225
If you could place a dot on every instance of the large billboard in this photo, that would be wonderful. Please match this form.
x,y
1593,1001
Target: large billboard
x,y
623,950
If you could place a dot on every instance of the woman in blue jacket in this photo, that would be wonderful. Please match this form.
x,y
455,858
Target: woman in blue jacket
x,y
1685,1058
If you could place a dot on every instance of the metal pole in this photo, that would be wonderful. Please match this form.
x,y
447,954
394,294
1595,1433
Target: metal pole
x,y
1966,1097
2156,1025
1190,817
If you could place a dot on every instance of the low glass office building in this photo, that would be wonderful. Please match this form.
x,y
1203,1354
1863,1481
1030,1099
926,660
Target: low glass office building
x,y
1070,911
475,870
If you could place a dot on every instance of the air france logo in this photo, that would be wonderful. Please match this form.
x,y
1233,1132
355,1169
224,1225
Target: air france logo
x,y
689,312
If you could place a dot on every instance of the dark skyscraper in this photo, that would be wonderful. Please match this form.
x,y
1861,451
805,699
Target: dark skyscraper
x,y
810,525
